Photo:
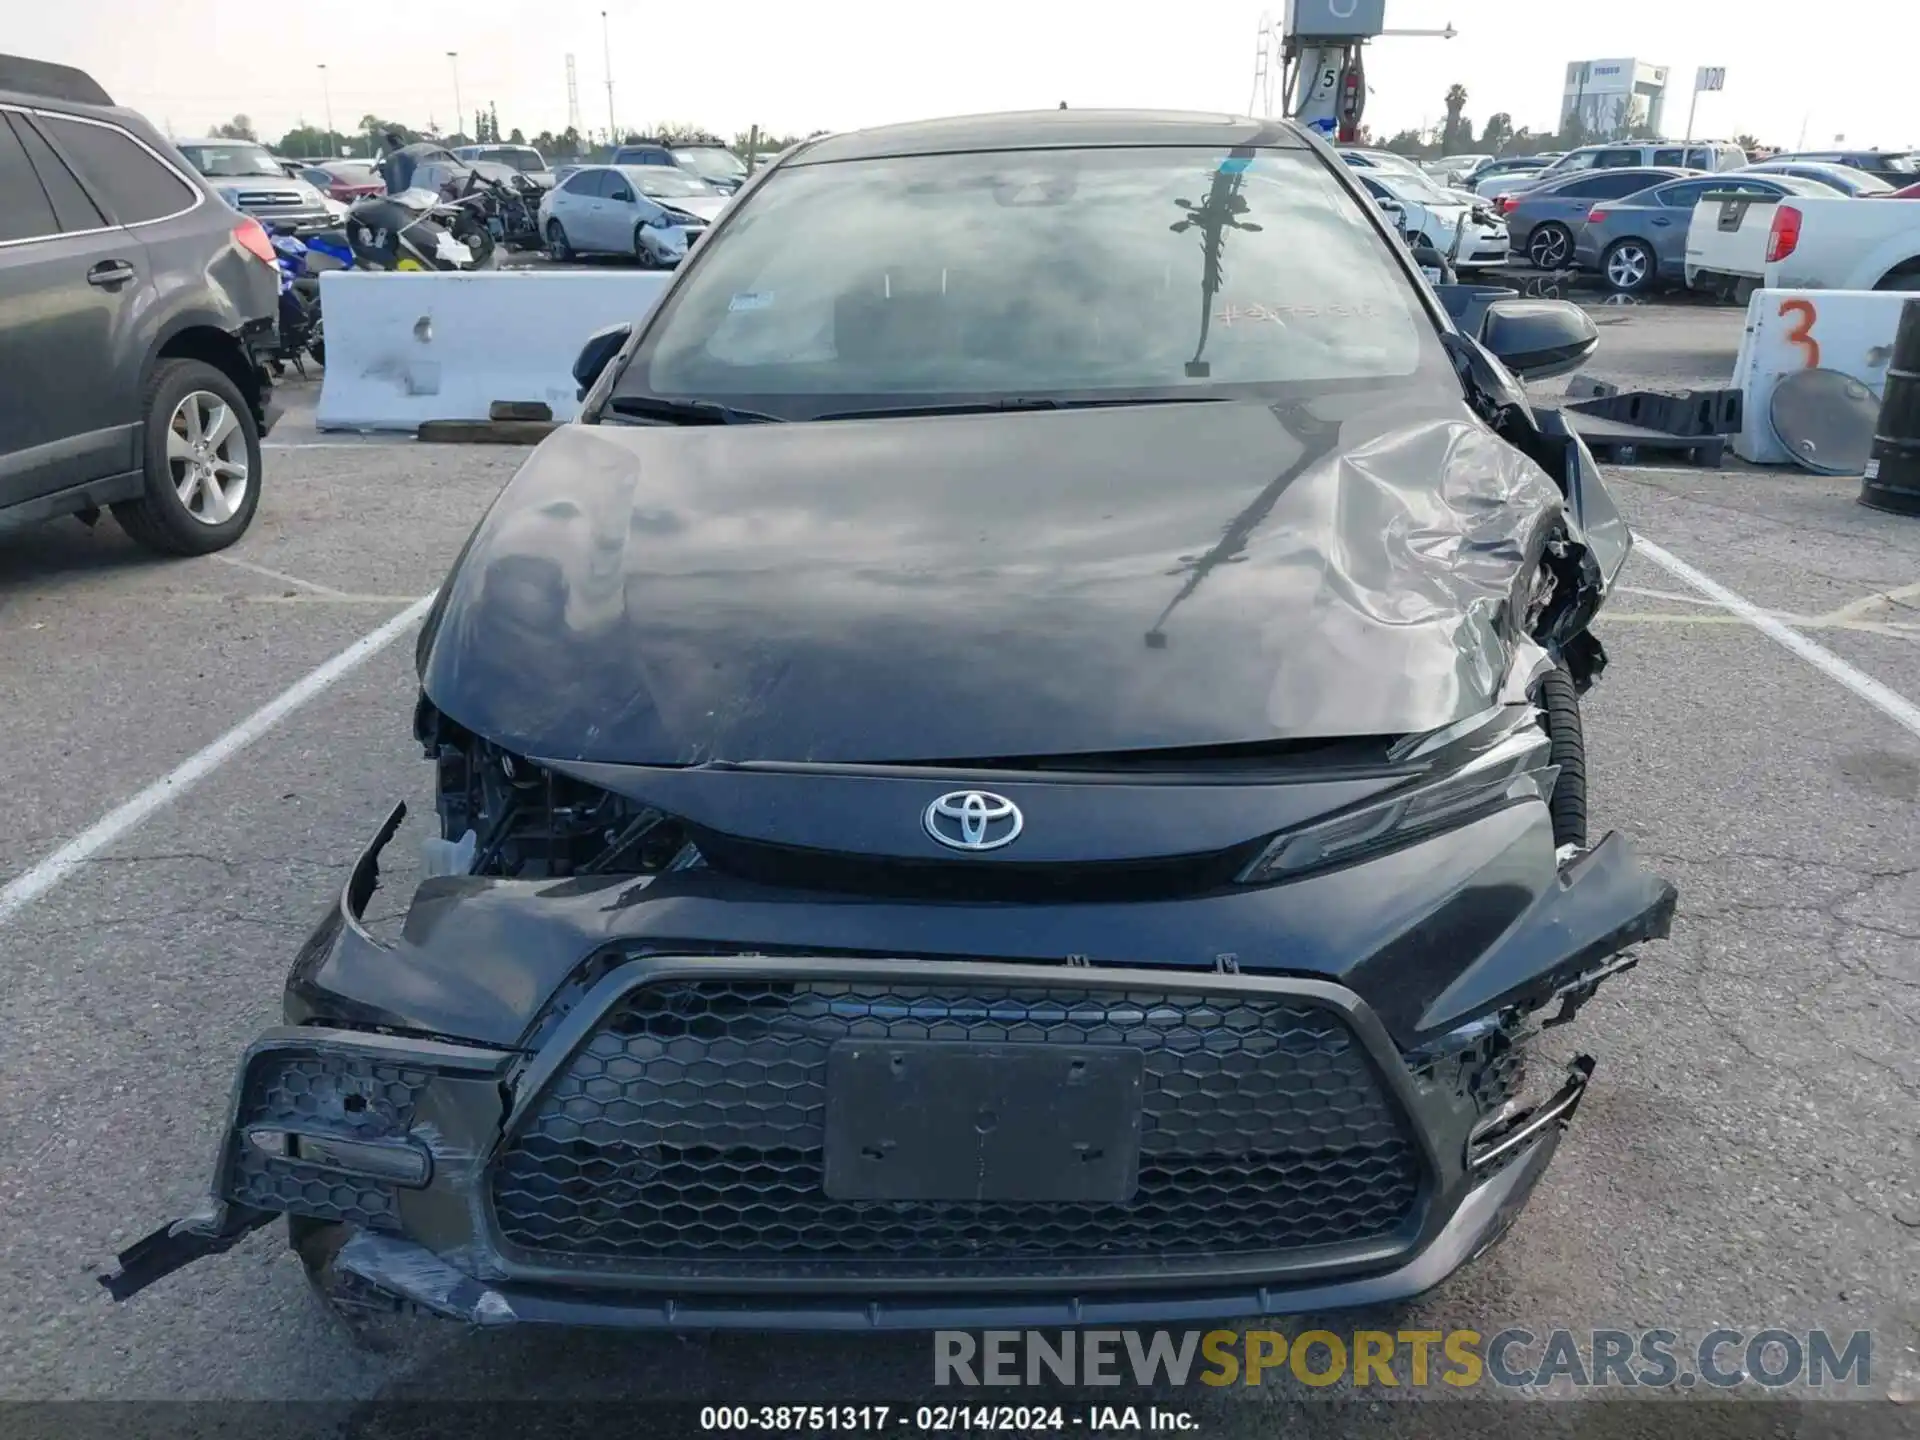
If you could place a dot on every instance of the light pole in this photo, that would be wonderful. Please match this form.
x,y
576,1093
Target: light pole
x,y
613,135
459,110
327,95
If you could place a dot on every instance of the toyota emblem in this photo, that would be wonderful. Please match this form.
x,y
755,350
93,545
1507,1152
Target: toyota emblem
x,y
973,820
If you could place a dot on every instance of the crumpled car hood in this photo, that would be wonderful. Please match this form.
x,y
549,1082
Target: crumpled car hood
x,y
985,586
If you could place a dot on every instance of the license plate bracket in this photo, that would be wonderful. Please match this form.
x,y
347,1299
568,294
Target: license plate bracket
x,y
952,1120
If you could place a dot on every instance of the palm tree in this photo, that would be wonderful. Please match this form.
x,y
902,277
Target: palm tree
x,y
1456,102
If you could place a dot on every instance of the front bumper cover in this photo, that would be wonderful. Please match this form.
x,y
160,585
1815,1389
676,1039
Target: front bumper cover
x,y
433,1238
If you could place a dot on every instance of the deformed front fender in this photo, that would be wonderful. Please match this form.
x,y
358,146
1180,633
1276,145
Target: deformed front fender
x,y
1590,505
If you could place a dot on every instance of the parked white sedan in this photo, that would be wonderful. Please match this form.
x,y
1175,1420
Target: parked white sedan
x,y
1437,217
654,213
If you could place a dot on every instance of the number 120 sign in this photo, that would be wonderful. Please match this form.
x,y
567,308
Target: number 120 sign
x,y
1712,77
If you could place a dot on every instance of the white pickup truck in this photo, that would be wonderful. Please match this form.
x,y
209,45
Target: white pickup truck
x,y
1844,244
1727,244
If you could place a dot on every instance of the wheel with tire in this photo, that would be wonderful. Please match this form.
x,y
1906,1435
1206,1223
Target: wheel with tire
x,y
642,256
1629,267
1909,281
559,250
474,234
202,462
1559,699
1550,246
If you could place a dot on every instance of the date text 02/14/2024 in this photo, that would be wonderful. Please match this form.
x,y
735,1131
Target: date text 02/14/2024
x,y
942,1419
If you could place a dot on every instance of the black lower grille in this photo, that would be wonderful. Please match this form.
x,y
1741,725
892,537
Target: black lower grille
x,y
1059,884
689,1128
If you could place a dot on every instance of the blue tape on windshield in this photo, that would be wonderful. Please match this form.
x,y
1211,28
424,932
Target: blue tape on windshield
x,y
1235,164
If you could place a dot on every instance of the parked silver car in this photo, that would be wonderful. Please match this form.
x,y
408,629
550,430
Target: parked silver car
x,y
652,212
254,181
522,158
1503,176
1845,178
1545,222
1699,155
1640,242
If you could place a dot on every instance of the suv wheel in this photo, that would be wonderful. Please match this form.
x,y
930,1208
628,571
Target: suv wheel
x,y
202,463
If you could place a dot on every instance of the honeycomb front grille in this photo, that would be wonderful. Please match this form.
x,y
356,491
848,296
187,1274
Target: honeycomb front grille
x,y
689,1127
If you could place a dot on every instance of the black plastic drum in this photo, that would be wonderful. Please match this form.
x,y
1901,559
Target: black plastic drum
x,y
1893,467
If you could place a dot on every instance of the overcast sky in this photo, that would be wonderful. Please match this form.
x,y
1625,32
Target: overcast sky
x,y
811,64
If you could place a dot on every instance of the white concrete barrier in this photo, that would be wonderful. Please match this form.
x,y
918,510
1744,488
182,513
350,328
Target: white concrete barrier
x,y
403,348
1789,330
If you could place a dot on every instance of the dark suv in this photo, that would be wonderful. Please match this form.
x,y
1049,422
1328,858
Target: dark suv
x,y
135,311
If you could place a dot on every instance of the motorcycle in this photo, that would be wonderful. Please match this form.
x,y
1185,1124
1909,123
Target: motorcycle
x,y
300,331
412,227
332,246
415,230
505,205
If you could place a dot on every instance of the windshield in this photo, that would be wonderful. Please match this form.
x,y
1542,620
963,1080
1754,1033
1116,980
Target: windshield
x,y
665,182
1040,274
232,160
527,162
712,161
1412,185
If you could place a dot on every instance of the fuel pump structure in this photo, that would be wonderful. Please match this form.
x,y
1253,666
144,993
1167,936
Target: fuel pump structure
x,y
1320,47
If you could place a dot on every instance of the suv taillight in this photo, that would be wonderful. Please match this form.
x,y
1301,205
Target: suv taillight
x,y
1507,204
250,235
1784,238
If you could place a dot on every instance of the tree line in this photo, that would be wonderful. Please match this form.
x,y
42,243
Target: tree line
x,y
370,138
1454,135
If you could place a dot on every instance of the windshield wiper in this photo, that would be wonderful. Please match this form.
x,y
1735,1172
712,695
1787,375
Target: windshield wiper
x,y
686,412
1018,402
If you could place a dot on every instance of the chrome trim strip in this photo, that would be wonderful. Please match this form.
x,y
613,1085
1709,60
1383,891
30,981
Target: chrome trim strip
x,y
1554,1112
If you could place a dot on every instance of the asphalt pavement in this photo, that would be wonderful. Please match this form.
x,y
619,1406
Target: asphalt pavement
x,y
1748,1155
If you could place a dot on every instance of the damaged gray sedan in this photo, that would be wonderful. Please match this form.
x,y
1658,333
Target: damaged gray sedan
x,y
1020,765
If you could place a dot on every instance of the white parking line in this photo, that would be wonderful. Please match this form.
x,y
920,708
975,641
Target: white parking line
x,y
280,575
1890,703
29,886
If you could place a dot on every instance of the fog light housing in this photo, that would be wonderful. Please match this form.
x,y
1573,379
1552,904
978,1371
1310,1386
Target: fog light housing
x,y
397,1161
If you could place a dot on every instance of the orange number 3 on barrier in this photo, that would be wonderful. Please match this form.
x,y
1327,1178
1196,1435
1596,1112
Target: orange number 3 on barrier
x,y
1802,333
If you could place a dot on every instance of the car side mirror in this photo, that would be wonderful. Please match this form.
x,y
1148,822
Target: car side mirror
x,y
1539,338
625,196
1394,211
596,354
